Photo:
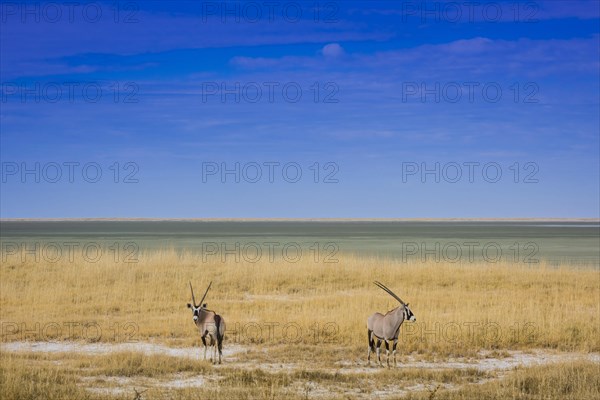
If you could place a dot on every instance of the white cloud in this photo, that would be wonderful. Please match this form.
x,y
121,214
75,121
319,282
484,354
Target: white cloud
x,y
333,50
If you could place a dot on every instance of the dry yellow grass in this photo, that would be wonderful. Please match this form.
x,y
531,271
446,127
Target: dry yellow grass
x,y
567,381
310,314
459,308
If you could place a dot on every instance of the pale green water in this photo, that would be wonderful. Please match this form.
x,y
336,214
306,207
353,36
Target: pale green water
x,y
527,241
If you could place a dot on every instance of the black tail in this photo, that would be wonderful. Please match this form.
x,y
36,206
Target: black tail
x,y
371,341
220,343
220,334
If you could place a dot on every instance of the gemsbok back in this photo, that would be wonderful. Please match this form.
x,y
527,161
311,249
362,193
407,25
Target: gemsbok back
x,y
387,327
210,324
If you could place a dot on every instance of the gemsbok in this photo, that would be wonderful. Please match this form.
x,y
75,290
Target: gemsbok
x,y
387,327
210,324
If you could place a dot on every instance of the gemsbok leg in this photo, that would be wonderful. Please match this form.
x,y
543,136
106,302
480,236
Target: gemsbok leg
x,y
214,352
371,346
387,353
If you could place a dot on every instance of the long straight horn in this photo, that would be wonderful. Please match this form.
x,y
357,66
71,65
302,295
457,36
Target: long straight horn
x,y
382,286
193,298
203,297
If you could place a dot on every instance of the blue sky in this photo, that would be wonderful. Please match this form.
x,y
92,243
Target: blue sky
x,y
369,94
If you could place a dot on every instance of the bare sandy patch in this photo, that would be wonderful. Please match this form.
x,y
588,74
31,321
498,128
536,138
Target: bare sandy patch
x,y
194,353
483,363
494,367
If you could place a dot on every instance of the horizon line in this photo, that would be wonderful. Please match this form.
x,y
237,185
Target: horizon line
x,y
449,219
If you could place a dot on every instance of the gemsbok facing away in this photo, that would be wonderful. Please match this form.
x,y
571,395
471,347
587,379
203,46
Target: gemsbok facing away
x,y
387,327
210,324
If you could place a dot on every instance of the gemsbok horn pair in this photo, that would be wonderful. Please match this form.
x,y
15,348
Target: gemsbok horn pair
x,y
387,327
210,324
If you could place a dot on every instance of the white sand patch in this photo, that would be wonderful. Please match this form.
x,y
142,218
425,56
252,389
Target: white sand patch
x,y
195,353
180,382
486,361
269,366
115,385
484,364
118,385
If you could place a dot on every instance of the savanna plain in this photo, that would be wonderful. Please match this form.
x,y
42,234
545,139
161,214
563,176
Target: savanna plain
x,y
297,330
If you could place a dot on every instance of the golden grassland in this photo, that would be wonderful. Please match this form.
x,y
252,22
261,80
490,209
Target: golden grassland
x,y
458,307
309,313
